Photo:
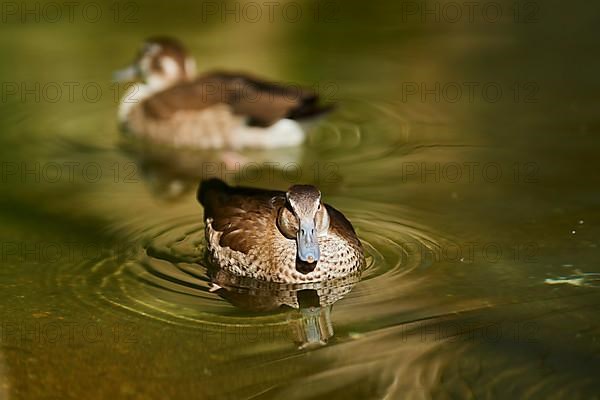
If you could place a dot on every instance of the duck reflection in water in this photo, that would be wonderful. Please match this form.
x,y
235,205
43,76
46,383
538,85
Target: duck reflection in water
x,y
308,306
171,174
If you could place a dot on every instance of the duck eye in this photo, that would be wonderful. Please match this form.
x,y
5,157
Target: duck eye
x,y
319,207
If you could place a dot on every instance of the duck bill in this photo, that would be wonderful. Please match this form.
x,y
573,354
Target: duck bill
x,y
127,74
307,241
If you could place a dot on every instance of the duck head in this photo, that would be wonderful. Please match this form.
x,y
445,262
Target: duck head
x,y
305,219
161,62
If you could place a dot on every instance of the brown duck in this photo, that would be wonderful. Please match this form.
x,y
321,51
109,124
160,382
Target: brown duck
x,y
215,110
286,237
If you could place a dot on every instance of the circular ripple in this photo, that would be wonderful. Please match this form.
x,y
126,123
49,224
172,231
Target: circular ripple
x,y
162,273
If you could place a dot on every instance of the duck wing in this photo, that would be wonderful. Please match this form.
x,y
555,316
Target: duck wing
x,y
196,95
267,102
244,216
342,227
262,102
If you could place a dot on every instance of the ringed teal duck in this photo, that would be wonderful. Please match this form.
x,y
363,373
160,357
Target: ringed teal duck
x,y
284,237
215,110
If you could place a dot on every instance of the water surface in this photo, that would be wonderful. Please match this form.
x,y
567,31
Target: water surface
x,y
478,212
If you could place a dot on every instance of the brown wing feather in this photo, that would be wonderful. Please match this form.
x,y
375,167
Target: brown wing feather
x,y
189,96
263,102
243,215
340,225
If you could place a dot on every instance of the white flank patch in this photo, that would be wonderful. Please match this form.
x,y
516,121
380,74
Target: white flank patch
x,y
284,133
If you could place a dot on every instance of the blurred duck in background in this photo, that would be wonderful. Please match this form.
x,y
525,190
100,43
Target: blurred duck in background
x,y
216,110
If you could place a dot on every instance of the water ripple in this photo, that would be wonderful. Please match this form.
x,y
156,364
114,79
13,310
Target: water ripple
x,y
163,273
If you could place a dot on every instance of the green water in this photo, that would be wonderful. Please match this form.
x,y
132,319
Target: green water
x,y
463,153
